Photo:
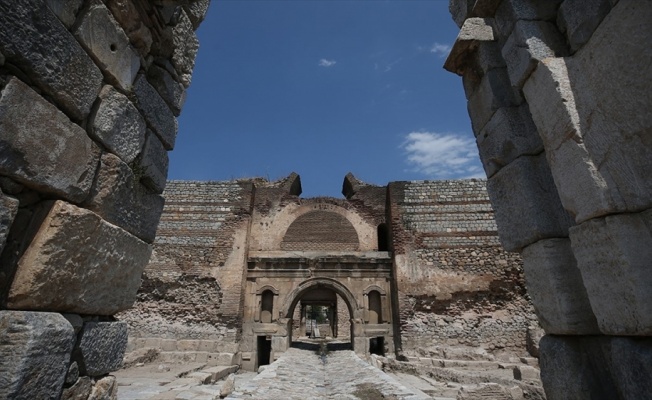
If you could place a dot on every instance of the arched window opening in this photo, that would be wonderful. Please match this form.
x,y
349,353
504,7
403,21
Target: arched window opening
x,y
375,311
383,237
266,306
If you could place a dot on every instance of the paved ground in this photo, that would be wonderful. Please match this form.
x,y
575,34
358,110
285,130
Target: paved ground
x,y
300,373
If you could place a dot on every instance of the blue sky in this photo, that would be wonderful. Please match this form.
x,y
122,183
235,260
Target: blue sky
x,y
322,88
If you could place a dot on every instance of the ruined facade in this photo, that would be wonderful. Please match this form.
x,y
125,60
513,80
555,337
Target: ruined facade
x,y
558,94
237,265
89,94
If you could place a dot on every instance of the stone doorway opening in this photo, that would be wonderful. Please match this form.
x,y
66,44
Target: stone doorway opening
x,y
263,350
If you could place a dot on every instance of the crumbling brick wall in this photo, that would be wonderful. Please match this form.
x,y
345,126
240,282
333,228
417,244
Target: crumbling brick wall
x,y
455,283
89,94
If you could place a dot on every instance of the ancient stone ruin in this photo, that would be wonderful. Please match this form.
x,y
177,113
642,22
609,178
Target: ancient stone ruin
x,y
559,98
237,265
89,94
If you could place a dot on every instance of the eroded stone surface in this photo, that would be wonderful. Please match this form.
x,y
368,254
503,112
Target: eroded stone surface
x,y
32,38
154,164
170,90
527,207
126,13
493,92
34,353
196,11
65,10
101,347
41,148
614,254
579,22
157,114
118,197
105,389
185,48
79,391
8,210
555,284
118,125
107,43
102,278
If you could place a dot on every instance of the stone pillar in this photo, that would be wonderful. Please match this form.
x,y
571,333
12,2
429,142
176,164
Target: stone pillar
x,y
89,94
555,94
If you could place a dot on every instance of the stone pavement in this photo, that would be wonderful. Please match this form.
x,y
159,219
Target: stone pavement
x,y
300,373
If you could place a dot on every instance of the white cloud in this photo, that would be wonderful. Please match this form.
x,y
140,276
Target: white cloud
x,y
439,49
442,155
326,63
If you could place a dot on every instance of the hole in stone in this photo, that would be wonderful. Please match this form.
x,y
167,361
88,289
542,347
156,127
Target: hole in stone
x,y
113,47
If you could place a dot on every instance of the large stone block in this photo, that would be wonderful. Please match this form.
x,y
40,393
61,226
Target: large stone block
x,y
555,285
170,90
526,205
614,254
8,210
530,42
196,11
596,367
511,11
129,18
578,19
33,39
41,148
65,10
185,48
101,347
153,163
119,198
34,354
493,93
109,46
157,114
460,10
78,263
474,32
118,125
509,134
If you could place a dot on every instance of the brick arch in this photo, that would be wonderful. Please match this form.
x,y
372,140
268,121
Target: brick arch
x,y
321,230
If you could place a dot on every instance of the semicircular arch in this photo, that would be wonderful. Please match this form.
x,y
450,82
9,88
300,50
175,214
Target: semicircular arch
x,y
315,283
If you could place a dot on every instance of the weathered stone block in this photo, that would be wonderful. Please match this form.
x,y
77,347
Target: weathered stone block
x,y
105,389
526,204
509,134
65,10
493,93
170,90
8,210
185,48
119,198
118,125
73,373
530,42
79,391
153,162
127,15
106,42
41,148
196,11
614,254
101,278
511,11
101,347
34,353
555,285
632,366
156,112
579,19
460,10
475,31
33,39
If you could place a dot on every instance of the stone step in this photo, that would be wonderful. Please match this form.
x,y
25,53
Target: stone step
x,y
211,359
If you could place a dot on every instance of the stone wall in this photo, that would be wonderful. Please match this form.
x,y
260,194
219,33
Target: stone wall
x,y
556,92
455,283
89,94
192,287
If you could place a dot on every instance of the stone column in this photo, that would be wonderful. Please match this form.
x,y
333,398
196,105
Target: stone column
x,y
556,91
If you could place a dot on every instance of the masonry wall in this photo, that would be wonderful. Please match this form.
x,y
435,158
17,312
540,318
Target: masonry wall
x,y
455,283
192,287
555,93
89,95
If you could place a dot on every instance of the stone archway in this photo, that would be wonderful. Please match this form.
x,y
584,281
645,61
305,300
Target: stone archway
x,y
315,283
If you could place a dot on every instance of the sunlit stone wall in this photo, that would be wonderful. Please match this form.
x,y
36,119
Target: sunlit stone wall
x,y
89,95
